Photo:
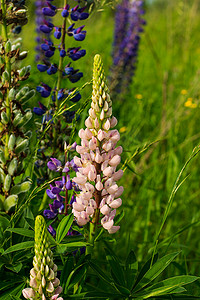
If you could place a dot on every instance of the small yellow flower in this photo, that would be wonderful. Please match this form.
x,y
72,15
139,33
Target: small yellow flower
x,y
188,104
193,105
123,129
183,92
138,96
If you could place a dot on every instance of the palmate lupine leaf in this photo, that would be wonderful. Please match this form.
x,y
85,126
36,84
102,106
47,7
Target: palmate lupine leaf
x,y
123,277
14,291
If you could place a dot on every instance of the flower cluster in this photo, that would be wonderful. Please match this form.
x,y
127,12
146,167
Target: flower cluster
x,y
128,26
58,191
54,40
47,48
15,14
43,281
97,175
14,113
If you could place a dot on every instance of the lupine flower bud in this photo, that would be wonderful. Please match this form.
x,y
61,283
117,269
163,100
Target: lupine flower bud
x,y
97,175
43,279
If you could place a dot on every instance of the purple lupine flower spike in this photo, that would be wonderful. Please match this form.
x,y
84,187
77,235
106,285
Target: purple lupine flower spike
x,y
48,34
128,26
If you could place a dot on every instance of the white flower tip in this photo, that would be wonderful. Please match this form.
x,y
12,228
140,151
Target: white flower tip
x,y
88,123
28,293
113,229
113,122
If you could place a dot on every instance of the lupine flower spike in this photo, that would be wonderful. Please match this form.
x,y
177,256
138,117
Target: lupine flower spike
x,y
97,174
48,36
128,27
44,284
14,111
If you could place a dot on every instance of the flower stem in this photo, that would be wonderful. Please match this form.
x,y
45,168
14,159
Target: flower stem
x,y
91,235
8,69
60,67
60,73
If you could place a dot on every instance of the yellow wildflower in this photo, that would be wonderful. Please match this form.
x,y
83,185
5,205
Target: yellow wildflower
x,y
138,96
123,129
187,103
193,105
183,92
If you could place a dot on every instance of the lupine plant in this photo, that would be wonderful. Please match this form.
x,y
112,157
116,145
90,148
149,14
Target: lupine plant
x,y
43,281
128,27
14,111
97,175
62,69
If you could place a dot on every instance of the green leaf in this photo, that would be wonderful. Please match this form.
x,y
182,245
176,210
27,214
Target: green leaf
x,y
51,239
62,248
123,290
101,274
30,222
4,223
167,286
117,270
145,268
75,276
96,295
155,270
72,239
119,217
4,285
64,227
12,292
20,246
67,269
15,268
22,231
131,269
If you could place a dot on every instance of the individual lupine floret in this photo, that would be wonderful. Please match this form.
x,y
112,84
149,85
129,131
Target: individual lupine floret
x,y
43,283
97,174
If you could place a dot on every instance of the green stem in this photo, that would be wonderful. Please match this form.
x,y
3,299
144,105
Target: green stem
x,y
60,75
91,235
8,68
4,28
60,66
